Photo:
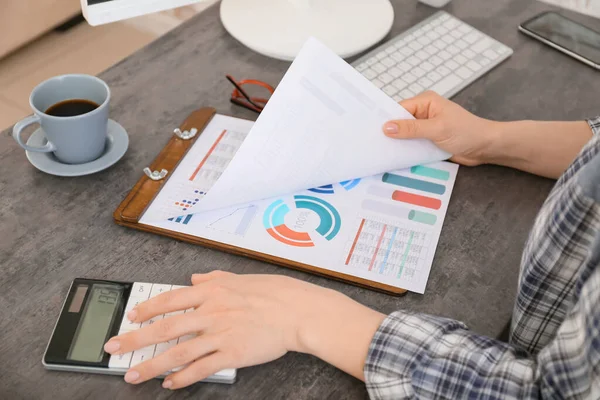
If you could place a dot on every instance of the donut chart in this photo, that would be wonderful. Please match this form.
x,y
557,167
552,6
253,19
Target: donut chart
x,y
329,189
328,225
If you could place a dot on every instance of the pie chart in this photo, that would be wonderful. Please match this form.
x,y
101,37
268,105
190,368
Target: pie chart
x,y
298,223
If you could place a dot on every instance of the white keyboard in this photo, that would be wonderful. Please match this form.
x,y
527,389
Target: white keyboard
x,y
441,53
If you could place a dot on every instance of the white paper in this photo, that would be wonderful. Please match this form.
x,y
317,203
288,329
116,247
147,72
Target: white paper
x,y
322,125
384,228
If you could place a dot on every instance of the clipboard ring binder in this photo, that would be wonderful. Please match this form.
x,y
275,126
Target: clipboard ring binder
x,y
155,175
185,135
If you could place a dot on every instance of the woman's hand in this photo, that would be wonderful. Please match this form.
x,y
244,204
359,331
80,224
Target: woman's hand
x,y
244,320
448,125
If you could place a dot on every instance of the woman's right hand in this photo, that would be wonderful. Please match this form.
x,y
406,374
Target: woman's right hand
x,y
448,125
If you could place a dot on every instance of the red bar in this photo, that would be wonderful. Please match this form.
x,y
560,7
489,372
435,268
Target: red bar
x,y
378,246
417,200
207,155
362,223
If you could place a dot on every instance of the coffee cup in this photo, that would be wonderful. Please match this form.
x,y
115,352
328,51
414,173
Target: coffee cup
x,y
72,111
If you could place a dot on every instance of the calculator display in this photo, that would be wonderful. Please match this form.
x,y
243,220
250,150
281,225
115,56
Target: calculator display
x,y
94,326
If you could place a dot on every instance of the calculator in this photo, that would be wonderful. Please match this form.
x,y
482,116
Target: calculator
x,y
94,311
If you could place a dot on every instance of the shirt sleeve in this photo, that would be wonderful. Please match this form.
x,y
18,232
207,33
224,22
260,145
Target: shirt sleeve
x,y
594,123
421,356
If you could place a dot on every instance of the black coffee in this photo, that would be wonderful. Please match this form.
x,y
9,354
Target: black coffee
x,y
70,108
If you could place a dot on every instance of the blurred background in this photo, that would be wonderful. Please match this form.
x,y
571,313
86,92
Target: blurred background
x,y
43,38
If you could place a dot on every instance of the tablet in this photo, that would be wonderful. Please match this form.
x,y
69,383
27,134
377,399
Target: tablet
x,y
98,12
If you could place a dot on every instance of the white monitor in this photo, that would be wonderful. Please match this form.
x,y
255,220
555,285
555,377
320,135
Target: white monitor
x,y
98,12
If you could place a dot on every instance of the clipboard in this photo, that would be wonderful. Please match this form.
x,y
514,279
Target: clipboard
x,y
156,175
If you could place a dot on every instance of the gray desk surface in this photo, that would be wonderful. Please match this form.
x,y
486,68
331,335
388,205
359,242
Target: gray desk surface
x,y
54,229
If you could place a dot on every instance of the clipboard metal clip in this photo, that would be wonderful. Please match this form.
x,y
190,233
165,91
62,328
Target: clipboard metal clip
x,y
185,135
155,175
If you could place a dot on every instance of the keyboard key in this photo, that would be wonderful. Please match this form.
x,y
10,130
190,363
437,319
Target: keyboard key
x,y
474,66
457,34
453,49
400,84
369,73
388,62
141,290
425,82
422,54
386,78
435,60
390,50
464,72
398,57
432,35
427,66
444,86
412,60
445,55
491,54
409,78
448,39
440,44
120,361
371,61
395,72
399,44
423,40
484,61
435,22
481,45
127,325
418,71
409,38
381,55
440,30
468,53
459,58
152,321
379,68
431,49
162,347
361,67
405,51
451,23
415,46
464,28
442,70
434,76
158,289
444,17
472,37
416,88
404,66
406,94
390,90
397,98
141,355
452,64
377,83
461,44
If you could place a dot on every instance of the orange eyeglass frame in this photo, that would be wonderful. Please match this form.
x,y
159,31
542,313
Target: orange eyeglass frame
x,y
241,98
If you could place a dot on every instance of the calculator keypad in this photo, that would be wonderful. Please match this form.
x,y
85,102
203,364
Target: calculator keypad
x,y
141,292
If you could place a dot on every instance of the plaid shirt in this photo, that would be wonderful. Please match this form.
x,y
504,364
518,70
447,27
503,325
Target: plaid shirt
x,y
554,349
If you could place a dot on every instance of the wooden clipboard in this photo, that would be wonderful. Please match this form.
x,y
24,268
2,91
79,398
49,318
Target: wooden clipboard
x,y
140,197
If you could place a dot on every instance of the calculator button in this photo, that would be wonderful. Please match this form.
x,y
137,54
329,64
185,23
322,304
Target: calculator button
x,y
158,289
185,338
152,321
175,287
141,355
171,314
120,360
141,290
127,325
162,347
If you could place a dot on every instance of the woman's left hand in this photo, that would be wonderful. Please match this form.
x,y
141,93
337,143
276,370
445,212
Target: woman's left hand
x,y
240,320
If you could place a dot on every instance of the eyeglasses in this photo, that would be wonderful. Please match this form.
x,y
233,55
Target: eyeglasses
x,y
240,97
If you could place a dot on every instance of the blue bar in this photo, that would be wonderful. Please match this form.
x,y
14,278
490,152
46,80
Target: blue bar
x,y
416,184
178,219
187,219
389,249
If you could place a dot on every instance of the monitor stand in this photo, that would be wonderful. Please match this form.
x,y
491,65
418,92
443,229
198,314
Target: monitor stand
x,y
278,28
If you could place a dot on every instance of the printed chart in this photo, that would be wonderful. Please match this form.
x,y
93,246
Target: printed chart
x,y
329,189
236,222
297,225
388,249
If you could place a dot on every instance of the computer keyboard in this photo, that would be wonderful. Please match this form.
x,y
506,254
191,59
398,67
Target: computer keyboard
x,y
441,53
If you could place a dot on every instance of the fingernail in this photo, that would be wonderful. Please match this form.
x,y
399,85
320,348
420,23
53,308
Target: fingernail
x,y
167,384
132,315
112,346
390,128
132,376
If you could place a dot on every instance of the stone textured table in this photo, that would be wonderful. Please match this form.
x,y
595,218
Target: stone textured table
x,y
53,230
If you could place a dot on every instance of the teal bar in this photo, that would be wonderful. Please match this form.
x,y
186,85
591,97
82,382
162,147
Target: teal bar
x,y
405,254
416,184
422,217
430,172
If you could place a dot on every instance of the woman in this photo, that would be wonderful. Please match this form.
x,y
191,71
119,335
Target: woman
x,y
554,349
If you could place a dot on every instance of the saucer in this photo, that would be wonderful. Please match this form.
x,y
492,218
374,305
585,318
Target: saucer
x,y
117,142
